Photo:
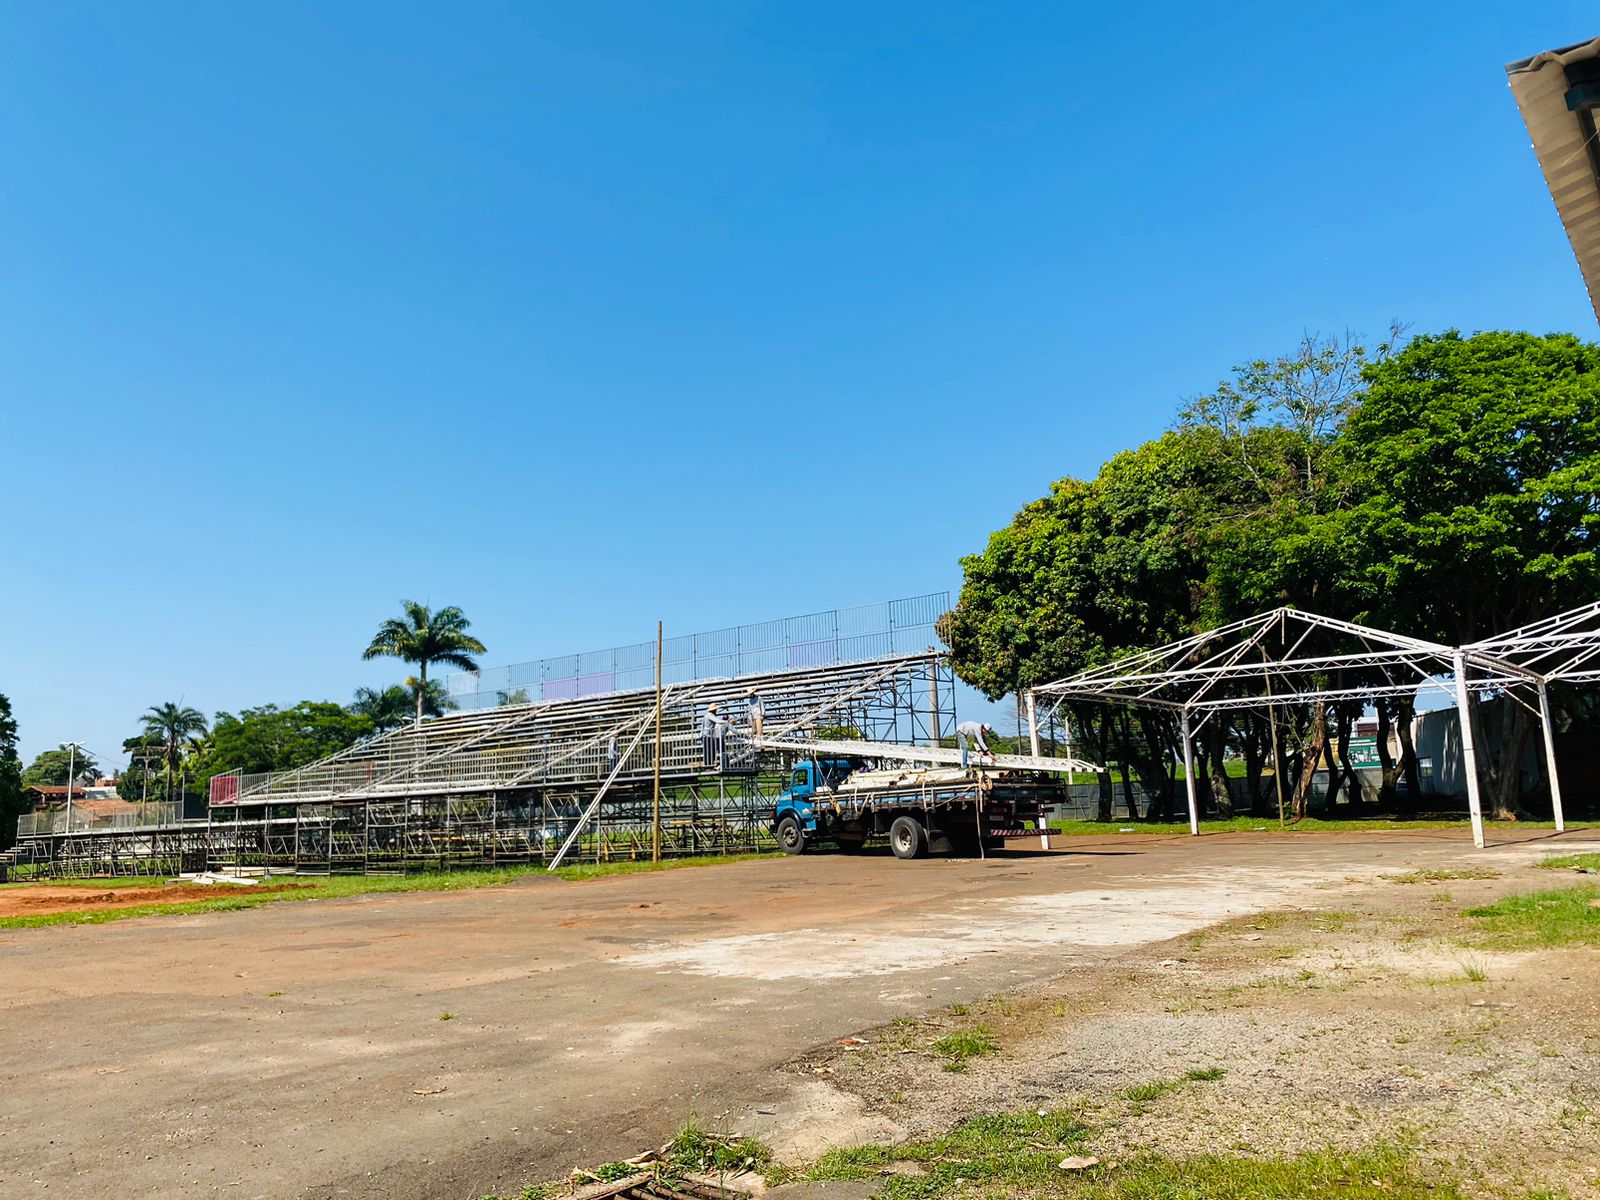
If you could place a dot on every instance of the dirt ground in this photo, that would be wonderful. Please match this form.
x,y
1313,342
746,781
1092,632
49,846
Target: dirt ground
x,y
1373,1019
430,1045
43,899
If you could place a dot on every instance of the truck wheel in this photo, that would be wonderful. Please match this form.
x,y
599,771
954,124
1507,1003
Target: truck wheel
x,y
791,838
907,838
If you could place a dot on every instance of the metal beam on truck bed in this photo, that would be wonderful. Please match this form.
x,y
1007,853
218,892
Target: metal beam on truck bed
x,y
926,754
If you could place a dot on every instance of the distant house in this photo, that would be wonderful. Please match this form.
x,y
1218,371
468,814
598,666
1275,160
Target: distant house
x,y
54,795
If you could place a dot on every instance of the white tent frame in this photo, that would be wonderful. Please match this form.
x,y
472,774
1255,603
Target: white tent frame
x,y
1324,659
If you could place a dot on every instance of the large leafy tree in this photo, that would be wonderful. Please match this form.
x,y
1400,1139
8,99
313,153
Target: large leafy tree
x,y
1216,520
51,767
425,637
10,775
177,728
270,738
1477,460
1479,471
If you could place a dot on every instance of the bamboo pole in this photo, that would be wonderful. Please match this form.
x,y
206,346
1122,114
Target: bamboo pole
x,y
655,799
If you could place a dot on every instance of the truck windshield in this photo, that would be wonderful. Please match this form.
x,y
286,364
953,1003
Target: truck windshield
x,y
800,779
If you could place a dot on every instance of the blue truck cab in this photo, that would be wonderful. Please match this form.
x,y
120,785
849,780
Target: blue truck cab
x,y
796,808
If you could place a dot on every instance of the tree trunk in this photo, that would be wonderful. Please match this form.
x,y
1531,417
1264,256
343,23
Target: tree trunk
x,y
1330,797
1105,809
1216,749
1509,740
1386,756
1410,768
1252,760
422,689
1352,780
1312,754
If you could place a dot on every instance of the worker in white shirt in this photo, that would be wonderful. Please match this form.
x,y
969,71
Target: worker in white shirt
x,y
755,713
973,732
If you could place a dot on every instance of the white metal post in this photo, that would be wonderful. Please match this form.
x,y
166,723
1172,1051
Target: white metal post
x,y
1550,758
72,762
1469,757
1188,775
1033,724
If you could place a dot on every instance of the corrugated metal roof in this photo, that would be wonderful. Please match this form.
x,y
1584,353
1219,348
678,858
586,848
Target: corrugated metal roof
x,y
1540,86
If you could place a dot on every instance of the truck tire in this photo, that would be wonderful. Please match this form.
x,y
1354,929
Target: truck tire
x,y
791,838
907,838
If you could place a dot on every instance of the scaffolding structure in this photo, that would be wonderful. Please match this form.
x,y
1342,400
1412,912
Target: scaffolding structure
x,y
1288,657
561,779
836,635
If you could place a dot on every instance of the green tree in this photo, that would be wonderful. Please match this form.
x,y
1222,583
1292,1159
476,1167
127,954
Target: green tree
x,y
387,708
431,696
425,637
50,768
141,777
1478,467
1094,570
270,738
176,728
10,776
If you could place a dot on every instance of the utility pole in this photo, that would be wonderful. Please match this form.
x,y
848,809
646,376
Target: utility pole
x,y
72,749
655,800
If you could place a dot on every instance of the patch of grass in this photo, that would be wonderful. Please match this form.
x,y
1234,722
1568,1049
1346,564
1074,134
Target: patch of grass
x,y
958,1010
1474,970
1143,1093
696,1148
1436,875
958,1047
1563,917
1019,1154
447,1015
339,887
1009,1154
1581,862
1205,1074
599,870
1269,825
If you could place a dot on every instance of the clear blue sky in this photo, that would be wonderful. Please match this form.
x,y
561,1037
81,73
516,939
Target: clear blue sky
x,y
586,315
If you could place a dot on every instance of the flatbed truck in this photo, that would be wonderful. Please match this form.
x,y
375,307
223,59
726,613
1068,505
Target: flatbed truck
x,y
919,810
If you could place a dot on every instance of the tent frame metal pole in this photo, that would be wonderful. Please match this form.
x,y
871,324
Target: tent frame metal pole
x,y
1469,754
1550,758
1188,774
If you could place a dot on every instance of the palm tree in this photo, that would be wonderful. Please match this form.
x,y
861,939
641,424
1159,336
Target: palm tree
x,y
387,709
175,727
425,637
435,699
391,707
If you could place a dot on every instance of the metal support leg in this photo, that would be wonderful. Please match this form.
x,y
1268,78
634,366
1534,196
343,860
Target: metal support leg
x,y
1033,725
1188,775
1469,755
1550,758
